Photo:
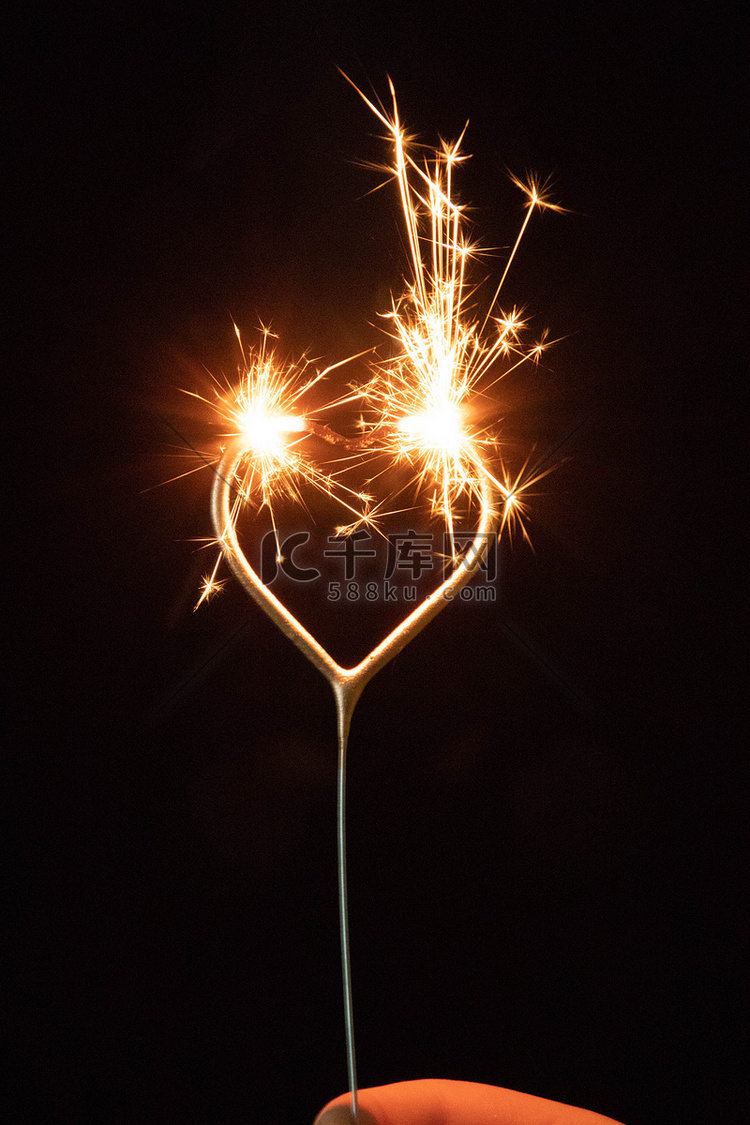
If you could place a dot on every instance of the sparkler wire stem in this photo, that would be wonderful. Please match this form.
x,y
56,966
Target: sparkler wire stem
x,y
345,704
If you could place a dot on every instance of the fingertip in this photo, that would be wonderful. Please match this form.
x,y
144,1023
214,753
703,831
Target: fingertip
x,y
335,1115
341,1114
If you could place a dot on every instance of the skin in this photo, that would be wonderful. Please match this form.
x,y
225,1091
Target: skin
x,y
438,1101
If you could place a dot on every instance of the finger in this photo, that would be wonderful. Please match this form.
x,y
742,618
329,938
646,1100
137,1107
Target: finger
x,y
439,1101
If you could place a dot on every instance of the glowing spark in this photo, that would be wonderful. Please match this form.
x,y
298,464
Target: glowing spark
x,y
265,417
210,585
422,397
420,402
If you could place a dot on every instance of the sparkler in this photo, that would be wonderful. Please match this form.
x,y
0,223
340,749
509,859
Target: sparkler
x,y
417,410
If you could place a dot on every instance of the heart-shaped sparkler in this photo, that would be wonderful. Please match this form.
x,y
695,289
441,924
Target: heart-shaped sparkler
x,y
420,413
347,683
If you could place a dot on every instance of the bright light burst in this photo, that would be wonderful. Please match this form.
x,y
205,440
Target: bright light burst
x,y
266,417
264,410
210,585
419,404
423,396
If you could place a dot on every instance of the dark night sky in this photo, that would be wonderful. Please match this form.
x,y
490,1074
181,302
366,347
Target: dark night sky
x,y
545,795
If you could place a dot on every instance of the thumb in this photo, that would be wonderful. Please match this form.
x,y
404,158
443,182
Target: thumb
x,y
439,1101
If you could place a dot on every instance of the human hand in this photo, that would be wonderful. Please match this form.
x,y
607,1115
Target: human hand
x,y
439,1101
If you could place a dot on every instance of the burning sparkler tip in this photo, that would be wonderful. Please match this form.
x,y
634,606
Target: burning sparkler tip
x,y
417,401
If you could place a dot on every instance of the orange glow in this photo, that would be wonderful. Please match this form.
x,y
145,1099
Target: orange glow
x,y
417,402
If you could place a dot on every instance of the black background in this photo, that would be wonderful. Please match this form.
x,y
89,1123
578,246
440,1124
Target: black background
x,y
545,813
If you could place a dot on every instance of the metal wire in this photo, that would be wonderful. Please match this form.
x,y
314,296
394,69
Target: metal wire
x,y
347,683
